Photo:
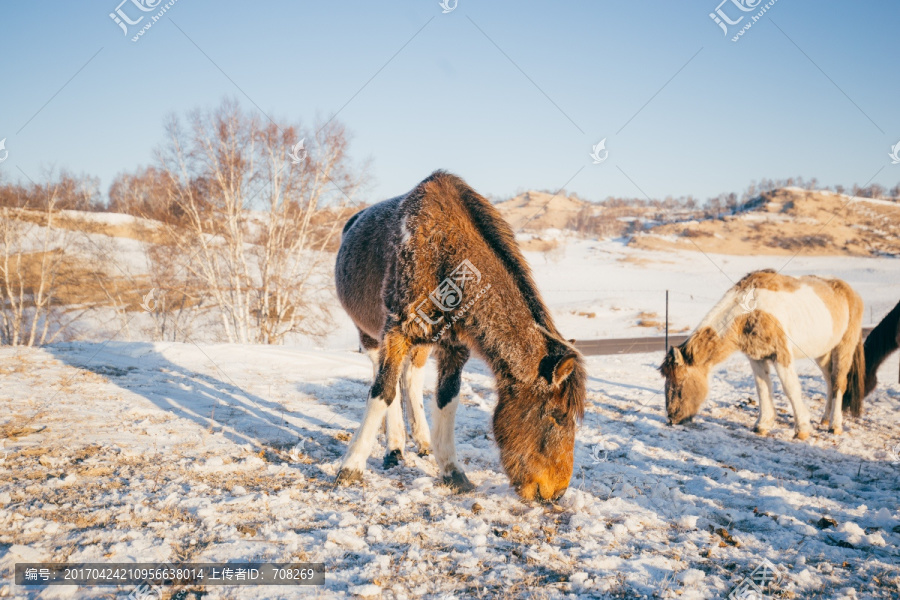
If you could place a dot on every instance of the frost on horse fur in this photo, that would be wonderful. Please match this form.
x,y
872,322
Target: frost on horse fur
x,y
791,318
394,277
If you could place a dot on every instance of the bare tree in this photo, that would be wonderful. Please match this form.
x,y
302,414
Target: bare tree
x,y
144,193
34,265
249,203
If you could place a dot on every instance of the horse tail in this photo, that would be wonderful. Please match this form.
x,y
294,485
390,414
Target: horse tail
x,y
856,382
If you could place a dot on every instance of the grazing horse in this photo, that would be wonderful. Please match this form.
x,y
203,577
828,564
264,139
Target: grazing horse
x,y
775,319
438,270
883,340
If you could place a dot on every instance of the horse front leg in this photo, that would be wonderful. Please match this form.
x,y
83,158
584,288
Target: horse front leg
x,y
764,390
444,404
791,384
383,393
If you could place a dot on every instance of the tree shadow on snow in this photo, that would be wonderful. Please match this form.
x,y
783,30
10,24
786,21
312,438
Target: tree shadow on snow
x,y
213,403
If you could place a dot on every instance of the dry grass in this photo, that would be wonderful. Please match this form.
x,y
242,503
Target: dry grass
x,y
13,431
142,232
649,319
77,279
539,245
787,221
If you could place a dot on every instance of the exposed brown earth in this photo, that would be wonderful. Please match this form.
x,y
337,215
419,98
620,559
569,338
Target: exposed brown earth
x,y
540,210
788,221
133,228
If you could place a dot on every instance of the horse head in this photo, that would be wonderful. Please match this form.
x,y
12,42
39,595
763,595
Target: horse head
x,y
535,424
687,385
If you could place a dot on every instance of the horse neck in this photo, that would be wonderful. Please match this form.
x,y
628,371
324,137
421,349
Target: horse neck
x,y
514,356
707,349
714,339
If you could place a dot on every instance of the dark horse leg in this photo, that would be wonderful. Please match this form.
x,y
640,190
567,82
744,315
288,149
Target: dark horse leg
x,y
382,395
450,359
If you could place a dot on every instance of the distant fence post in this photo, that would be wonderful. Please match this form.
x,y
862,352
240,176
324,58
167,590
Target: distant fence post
x,y
667,321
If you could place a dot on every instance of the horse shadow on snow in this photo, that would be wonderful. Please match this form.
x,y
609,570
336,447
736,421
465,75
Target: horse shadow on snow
x,y
244,417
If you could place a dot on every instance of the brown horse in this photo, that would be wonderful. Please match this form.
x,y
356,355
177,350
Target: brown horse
x,y
774,320
880,344
438,269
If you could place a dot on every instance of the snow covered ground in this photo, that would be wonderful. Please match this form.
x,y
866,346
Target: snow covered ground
x,y
152,452
130,451
616,283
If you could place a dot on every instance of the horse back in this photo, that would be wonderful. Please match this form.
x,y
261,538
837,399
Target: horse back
x,y
397,256
815,313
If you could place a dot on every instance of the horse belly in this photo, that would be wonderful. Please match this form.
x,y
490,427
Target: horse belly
x,y
805,318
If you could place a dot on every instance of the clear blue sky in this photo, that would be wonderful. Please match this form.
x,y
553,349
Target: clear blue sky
x,y
825,105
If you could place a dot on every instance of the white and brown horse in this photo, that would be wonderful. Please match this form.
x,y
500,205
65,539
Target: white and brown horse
x,y
774,320
438,270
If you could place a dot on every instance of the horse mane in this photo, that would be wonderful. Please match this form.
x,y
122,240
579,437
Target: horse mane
x,y
501,239
882,341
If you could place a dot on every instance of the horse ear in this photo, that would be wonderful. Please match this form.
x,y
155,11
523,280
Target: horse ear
x,y
563,369
555,368
677,357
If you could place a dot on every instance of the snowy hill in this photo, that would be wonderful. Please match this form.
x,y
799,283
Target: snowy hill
x,y
788,221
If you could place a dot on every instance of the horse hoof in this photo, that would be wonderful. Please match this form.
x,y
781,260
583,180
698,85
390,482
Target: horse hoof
x,y
826,423
836,430
392,459
458,482
348,477
423,452
802,435
761,431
